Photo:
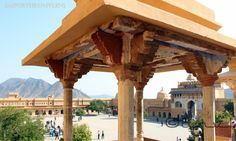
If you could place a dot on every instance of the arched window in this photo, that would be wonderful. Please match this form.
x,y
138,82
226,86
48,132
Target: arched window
x,y
178,104
164,115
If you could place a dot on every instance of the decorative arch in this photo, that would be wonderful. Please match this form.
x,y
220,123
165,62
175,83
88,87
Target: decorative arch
x,y
178,104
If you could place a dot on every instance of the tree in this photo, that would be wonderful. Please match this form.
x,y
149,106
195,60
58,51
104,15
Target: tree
x,y
16,124
82,133
229,107
220,117
145,114
193,124
224,116
97,105
80,112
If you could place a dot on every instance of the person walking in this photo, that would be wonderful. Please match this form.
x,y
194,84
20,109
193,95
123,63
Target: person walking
x,y
98,134
102,134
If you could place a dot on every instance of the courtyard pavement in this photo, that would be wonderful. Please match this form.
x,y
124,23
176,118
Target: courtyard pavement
x,y
109,124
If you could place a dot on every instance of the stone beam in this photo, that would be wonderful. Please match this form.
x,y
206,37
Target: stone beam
x,y
76,46
130,25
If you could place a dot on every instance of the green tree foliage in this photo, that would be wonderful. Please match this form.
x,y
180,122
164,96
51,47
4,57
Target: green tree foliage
x,y
145,114
220,117
229,107
97,105
224,116
82,133
80,112
194,124
17,125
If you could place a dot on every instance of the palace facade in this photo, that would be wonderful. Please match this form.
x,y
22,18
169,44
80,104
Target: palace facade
x,y
44,106
185,100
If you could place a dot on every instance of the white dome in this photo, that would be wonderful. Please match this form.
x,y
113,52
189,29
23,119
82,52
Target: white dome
x,y
162,95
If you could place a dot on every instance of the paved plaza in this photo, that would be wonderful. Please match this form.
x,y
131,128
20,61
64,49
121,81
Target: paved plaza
x,y
109,125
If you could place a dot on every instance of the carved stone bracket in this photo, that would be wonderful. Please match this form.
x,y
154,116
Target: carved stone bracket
x,y
68,71
109,45
127,55
56,66
204,66
142,77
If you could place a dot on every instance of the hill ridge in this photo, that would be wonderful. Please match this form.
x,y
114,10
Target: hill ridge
x,y
35,88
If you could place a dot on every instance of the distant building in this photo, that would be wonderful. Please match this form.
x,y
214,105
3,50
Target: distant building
x,y
44,106
183,101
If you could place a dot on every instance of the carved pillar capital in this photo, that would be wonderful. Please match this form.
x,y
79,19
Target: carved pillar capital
x,y
123,72
139,86
67,83
207,80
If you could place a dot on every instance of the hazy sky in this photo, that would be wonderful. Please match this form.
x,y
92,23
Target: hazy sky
x,y
24,24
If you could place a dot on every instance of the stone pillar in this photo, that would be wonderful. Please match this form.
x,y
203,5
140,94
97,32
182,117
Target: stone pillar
x,y
209,112
125,106
139,114
208,106
67,109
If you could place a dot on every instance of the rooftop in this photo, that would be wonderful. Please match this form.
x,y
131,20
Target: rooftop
x,y
180,26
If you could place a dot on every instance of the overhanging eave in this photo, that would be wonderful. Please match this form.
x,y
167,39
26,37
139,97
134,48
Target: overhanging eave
x,y
93,15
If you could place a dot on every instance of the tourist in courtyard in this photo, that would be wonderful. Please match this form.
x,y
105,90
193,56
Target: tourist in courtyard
x,y
56,134
102,134
98,134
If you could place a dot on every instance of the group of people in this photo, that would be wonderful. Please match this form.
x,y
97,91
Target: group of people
x,y
178,139
101,135
54,131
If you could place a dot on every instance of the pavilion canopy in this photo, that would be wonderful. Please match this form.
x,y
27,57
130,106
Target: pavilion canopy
x,y
89,16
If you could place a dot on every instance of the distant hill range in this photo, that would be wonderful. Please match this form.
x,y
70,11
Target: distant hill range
x,y
35,88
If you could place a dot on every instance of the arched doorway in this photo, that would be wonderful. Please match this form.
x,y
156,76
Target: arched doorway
x,y
164,114
61,111
191,111
169,115
159,114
